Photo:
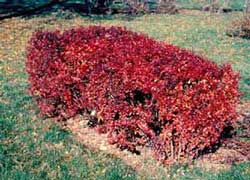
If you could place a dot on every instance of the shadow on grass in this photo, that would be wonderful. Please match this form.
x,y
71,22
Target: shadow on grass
x,y
65,10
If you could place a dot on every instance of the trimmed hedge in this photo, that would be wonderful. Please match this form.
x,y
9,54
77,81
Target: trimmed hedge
x,y
139,91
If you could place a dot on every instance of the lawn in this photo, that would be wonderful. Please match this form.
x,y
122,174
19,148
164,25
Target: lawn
x,y
198,4
34,148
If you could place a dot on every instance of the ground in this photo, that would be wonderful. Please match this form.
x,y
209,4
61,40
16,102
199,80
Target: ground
x,y
34,148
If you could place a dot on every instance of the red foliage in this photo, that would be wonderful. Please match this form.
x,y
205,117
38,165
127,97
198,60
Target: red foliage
x,y
138,90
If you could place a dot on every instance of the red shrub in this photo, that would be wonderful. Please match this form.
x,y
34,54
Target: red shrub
x,y
138,90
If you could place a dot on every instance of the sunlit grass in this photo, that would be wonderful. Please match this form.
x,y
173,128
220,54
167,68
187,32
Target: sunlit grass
x,y
197,4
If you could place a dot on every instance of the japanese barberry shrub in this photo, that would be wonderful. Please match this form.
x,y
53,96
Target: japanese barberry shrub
x,y
139,91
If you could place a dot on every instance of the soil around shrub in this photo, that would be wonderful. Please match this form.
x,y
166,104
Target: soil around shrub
x,y
232,151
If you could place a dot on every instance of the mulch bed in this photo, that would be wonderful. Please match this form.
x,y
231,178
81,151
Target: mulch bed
x,y
232,151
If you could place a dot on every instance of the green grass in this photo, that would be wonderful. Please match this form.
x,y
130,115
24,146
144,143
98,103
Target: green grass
x,y
237,172
34,148
197,4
